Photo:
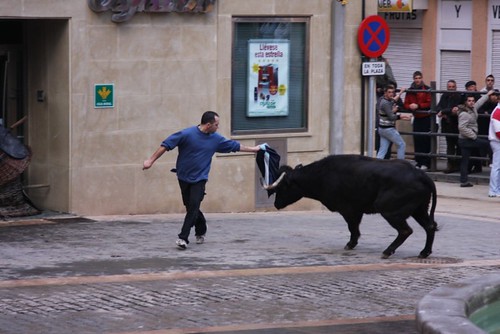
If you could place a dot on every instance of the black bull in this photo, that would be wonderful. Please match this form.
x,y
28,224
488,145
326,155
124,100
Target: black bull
x,y
354,185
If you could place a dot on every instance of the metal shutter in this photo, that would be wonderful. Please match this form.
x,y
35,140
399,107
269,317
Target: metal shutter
x,y
455,65
495,55
404,54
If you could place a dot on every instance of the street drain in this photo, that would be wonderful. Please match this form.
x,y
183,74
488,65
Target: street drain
x,y
435,260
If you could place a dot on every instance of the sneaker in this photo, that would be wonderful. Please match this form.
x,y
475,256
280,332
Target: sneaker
x,y
200,239
466,185
181,244
493,195
424,168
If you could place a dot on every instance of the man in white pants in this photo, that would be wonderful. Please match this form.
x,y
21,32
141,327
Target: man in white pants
x,y
494,137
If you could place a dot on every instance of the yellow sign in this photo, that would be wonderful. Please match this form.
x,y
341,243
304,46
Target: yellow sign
x,y
385,6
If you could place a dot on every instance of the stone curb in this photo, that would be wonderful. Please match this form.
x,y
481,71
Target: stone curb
x,y
446,310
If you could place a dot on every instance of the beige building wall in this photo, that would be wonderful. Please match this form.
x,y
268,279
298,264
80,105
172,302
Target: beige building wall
x,y
167,69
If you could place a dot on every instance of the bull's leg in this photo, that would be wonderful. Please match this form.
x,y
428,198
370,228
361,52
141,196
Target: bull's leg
x,y
430,227
353,220
404,231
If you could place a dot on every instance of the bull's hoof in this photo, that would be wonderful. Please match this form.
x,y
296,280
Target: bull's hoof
x,y
424,254
387,254
349,246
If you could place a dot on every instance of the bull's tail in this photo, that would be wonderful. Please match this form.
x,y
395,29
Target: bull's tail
x,y
433,204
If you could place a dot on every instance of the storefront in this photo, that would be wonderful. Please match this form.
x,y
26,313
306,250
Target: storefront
x,y
102,84
445,39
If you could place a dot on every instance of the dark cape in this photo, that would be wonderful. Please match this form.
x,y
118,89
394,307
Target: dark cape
x,y
268,161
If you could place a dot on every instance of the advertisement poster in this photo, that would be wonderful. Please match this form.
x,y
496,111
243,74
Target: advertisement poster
x,y
268,77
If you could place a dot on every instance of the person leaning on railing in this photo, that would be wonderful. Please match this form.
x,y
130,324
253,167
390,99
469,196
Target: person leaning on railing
x,y
447,111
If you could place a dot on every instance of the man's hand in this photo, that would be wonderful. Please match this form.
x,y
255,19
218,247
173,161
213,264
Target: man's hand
x,y
158,153
405,116
147,164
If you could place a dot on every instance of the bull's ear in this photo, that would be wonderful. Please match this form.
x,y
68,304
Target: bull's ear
x,y
298,166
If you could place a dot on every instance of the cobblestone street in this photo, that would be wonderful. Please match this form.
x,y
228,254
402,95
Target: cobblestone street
x,y
270,272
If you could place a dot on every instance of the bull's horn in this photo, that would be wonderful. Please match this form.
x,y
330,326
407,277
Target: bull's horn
x,y
275,183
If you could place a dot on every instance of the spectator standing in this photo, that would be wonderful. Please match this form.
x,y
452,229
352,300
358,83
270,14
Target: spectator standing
x,y
471,88
494,137
484,112
383,81
489,82
447,110
468,139
483,120
475,166
419,104
196,145
388,116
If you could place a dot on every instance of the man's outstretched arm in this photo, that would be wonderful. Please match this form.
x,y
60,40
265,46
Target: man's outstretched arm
x,y
254,149
158,153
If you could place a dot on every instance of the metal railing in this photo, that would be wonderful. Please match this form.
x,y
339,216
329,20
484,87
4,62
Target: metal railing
x,y
434,133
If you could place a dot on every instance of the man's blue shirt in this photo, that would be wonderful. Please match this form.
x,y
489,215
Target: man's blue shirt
x,y
196,150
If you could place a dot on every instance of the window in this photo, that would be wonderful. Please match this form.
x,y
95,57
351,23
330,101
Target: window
x,y
269,75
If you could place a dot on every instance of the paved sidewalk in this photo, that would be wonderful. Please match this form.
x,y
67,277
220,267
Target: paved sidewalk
x,y
266,272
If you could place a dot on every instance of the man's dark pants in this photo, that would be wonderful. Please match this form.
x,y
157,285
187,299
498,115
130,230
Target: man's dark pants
x,y
192,195
422,143
452,148
467,146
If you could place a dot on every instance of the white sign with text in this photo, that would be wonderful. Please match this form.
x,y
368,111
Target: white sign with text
x,y
373,68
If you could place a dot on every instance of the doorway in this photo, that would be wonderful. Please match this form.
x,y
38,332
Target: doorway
x,y
35,85
12,102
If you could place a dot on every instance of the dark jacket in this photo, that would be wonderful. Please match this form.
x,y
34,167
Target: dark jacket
x,y
449,121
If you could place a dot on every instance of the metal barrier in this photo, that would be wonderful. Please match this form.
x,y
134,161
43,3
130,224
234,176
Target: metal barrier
x,y
434,134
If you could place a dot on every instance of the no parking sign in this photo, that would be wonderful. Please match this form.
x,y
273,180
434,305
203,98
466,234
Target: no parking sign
x,y
373,36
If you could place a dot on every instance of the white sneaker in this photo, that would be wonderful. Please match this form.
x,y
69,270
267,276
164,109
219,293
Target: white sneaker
x,y
424,168
200,239
181,244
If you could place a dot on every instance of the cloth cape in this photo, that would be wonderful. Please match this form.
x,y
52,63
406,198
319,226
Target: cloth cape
x,y
268,161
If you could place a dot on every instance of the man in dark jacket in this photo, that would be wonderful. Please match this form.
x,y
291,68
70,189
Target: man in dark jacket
x,y
447,110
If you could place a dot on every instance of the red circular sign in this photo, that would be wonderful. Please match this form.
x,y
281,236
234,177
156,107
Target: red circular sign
x,y
373,36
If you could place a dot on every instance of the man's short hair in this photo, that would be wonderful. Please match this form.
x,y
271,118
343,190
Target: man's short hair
x,y
389,86
417,74
470,83
208,117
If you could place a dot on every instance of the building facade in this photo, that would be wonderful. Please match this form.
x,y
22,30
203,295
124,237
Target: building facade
x,y
102,83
